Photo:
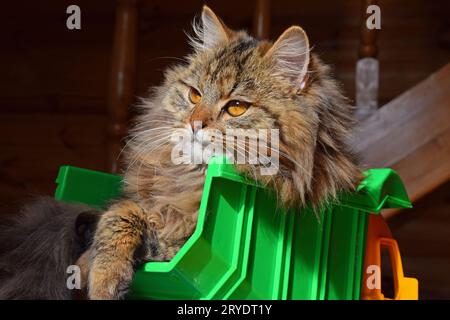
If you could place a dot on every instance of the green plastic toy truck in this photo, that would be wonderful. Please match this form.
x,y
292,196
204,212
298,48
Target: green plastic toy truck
x,y
245,247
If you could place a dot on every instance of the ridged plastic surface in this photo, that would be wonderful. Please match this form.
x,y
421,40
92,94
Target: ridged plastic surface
x,y
245,247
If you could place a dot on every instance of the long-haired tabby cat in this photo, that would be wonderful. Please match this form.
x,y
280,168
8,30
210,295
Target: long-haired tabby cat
x,y
231,80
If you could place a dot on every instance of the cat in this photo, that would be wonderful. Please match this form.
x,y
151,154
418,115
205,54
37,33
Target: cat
x,y
37,245
231,80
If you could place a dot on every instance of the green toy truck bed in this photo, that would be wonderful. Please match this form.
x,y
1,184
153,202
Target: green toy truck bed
x,y
245,247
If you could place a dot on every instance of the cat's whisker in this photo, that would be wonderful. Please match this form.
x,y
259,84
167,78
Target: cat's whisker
x,y
138,136
152,144
253,169
166,57
164,136
145,131
144,124
245,152
286,156
271,177
141,163
155,146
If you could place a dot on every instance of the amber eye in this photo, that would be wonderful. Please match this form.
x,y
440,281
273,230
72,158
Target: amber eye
x,y
236,108
194,96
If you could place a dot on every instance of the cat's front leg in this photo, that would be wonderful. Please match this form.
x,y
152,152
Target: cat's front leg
x,y
119,234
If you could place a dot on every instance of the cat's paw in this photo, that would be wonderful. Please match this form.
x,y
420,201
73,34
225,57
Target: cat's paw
x,y
110,283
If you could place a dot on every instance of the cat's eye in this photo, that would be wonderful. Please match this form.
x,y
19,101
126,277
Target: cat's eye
x,y
194,96
236,108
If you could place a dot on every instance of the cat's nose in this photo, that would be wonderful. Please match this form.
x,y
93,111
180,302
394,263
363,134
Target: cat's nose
x,y
197,125
199,118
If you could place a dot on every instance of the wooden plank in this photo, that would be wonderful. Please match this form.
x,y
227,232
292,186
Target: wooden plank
x,y
407,122
434,160
425,169
412,135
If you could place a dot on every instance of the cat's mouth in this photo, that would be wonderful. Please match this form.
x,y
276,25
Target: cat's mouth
x,y
199,146
192,147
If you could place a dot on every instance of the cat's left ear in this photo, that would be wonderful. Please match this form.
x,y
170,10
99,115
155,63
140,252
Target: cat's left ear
x,y
212,31
290,54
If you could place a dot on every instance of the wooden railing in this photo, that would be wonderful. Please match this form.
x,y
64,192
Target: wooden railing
x,y
261,19
367,67
122,82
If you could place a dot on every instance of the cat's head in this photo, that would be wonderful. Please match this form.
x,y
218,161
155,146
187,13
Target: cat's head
x,y
233,81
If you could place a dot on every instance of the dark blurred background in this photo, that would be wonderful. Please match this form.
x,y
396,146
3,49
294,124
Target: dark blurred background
x,y
55,89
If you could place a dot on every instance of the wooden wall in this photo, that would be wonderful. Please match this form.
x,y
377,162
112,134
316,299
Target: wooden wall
x,y
52,93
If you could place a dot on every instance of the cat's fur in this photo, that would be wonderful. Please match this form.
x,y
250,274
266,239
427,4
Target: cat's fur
x,y
289,89
38,244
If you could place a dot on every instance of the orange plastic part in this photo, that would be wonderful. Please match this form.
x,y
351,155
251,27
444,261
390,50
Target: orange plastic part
x,y
379,237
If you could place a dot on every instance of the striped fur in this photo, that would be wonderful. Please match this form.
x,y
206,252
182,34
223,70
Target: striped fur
x,y
289,89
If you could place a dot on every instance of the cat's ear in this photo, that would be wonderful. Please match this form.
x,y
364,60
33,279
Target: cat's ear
x,y
211,32
290,54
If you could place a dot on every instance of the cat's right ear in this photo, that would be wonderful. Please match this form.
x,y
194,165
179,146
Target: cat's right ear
x,y
211,32
290,54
